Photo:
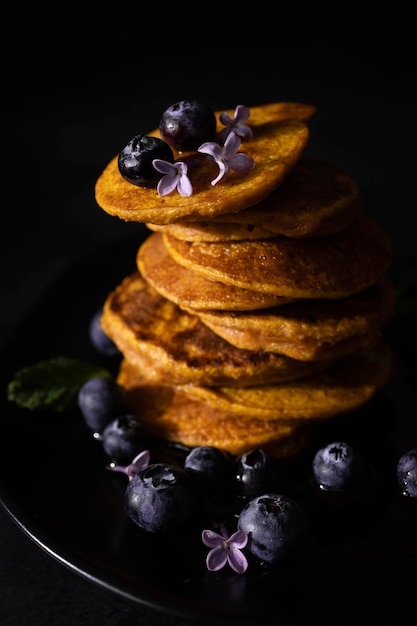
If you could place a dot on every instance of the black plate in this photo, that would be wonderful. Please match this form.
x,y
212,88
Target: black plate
x,y
360,567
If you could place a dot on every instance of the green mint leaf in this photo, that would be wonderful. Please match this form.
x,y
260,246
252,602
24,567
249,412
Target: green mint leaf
x,y
51,384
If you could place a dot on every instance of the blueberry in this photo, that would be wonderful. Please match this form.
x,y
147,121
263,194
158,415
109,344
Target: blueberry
x,y
255,473
338,466
100,340
100,401
185,125
124,438
135,160
407,473
160,497
208,466
276,525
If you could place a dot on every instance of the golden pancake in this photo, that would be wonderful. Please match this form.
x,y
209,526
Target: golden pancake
x,y
346,386
210,231
169,414
309,329
256,311
332,266
189,289
278,418
315,199
279,138
177,348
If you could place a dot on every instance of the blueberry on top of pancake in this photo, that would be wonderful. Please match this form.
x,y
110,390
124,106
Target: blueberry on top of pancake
x,y
279,136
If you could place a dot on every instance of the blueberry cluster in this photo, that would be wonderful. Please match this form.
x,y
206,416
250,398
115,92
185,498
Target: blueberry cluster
x,y
183,126
249,490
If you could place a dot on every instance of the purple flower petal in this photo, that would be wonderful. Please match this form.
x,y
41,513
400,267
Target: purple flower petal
x,y
223,169
167,184
239,539
225,550
165,167
237,124
175,177
232,144
212,539
216,559
237,560
226,157
242,114
242,163
184,187
226,119
140,461
213,149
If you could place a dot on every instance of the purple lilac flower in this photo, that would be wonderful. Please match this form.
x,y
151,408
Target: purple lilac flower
x,y
139,463
225,549
226,157
175,177
236,124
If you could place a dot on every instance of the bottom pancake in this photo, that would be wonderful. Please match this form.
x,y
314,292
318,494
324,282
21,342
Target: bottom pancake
x,y
170,414
280,418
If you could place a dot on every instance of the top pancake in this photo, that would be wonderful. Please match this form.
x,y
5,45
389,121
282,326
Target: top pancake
x,y
316,198
280,134
332,266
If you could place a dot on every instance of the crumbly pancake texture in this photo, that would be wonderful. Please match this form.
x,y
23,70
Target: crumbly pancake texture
x,y
280,135
279,418
169,413
190,289
257,308
332,266
177,348
316,198
211,231
343,388
312,329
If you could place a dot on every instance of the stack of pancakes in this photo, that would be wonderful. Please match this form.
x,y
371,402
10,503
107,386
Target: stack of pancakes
x,y
257,308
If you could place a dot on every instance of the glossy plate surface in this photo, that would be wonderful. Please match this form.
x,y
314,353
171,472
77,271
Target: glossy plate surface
x,y
360,568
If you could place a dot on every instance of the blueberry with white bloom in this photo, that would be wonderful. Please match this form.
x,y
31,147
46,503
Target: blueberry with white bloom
x,y
185,124
135,160
338,466
256,473
208,466
123,438
101,399
100,340
276,525
160,497
407,473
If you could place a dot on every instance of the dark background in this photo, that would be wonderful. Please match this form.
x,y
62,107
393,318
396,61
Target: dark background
x,y
69,107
